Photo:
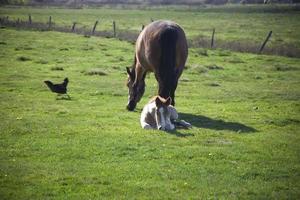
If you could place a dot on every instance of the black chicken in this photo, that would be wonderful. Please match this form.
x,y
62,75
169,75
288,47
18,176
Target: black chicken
x,y
60,88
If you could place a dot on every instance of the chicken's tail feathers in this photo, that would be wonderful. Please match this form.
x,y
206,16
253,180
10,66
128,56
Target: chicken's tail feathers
x,y
49,84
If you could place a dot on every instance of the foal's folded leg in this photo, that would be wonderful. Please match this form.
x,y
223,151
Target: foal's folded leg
x,y
173,112
146,125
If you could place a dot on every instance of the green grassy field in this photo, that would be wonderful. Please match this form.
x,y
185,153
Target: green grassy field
x,y
244,109
232,23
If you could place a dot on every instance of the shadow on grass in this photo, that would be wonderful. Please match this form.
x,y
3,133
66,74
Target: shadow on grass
x,y
65,97
200,121
178,134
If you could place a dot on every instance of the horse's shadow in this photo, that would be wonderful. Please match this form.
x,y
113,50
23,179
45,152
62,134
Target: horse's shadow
x,y
200,121
178,134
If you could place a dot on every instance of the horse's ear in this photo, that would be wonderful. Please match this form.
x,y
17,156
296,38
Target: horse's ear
x,y
168,101
128,71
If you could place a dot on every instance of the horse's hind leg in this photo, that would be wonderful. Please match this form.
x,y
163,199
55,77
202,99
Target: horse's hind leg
x,y
172,93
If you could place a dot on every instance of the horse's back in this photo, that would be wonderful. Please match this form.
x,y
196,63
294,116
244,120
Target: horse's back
x,y
148,46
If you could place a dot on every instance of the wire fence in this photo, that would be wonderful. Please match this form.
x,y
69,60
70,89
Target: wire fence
x,y
288,50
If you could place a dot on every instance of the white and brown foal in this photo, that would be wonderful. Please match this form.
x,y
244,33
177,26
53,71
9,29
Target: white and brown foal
x,y
159,114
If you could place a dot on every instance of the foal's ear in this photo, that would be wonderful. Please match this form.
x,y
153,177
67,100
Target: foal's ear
x,y
158,101
168,101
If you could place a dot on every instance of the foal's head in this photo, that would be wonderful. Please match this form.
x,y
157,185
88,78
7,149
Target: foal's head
x,y
135,90
162,113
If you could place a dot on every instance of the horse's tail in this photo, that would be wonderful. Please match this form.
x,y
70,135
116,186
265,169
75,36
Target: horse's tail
x,y
166,70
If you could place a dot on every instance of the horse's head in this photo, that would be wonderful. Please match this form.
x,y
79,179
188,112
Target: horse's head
x,y
163,114
135,90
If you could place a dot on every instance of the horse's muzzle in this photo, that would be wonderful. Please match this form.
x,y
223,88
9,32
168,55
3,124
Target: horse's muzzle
x,y
131,105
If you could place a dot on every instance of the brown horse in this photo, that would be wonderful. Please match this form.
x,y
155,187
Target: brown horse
x,y
160,48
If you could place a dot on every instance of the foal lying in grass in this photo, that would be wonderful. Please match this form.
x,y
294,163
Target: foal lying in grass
x,y
160,114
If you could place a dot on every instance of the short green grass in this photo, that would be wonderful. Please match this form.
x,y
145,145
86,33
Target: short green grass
x,y
244,109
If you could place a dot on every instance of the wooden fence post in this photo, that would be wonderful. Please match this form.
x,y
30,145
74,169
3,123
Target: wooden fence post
x,y
50,22
114,27
73,27
94,28
4,19
29,19
212,39
265,42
